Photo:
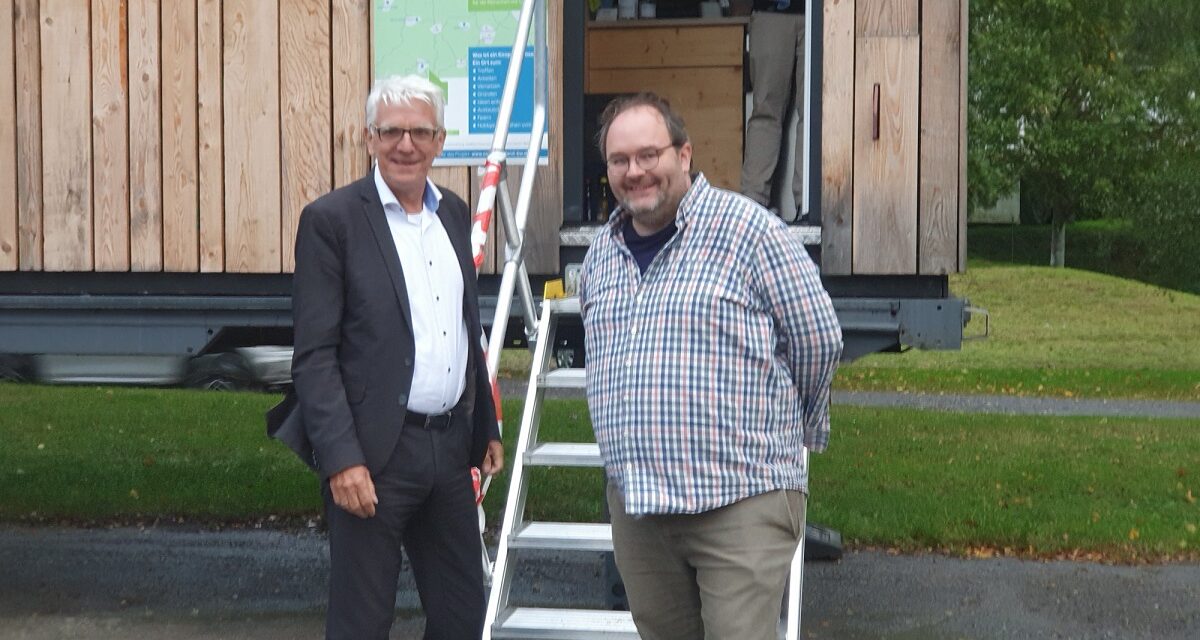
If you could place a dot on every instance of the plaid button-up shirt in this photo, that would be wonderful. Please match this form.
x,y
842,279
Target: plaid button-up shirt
x,y
707,374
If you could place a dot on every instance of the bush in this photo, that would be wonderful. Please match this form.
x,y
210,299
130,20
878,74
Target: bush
x,y
1119,248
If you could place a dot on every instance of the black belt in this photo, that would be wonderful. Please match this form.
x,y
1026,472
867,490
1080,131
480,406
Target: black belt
x,y
440,421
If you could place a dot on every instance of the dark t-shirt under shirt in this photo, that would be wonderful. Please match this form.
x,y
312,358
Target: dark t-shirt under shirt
x,y
644,248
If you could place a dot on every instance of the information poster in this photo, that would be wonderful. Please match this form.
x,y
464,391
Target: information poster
x,y
463,46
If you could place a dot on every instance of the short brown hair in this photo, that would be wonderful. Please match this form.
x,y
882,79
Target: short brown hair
x,y
675,127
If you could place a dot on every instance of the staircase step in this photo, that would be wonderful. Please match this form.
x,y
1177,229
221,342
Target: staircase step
x,y
565,624
565,454
572,536
563,379
583,235
564,305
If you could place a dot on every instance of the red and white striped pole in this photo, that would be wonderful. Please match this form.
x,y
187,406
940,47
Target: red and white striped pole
x,y
480,226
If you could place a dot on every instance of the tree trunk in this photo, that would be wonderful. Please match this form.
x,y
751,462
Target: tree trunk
x,y
1058,240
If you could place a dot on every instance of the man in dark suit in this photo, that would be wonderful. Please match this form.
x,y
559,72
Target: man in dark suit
x,y
394,401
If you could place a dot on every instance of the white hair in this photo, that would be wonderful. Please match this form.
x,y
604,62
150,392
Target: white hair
x,y
405,90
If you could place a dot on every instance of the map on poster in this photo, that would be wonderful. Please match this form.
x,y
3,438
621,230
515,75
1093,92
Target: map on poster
x,y
463,46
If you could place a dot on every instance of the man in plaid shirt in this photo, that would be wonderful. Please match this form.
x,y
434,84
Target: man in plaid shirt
x,y
711,345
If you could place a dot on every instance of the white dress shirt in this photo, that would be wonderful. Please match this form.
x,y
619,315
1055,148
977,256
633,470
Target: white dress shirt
x,y
434,281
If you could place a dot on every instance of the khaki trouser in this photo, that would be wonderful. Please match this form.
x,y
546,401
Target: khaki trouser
x,y
718,575
777,73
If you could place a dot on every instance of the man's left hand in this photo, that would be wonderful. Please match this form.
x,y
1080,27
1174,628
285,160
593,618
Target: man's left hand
x,y
493,460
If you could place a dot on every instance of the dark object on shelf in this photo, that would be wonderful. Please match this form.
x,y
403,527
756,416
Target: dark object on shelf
x,y
743,7
604,201
677,8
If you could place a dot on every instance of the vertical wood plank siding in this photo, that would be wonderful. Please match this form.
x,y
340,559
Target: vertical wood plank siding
x,y
885,168
67,169
252,176
145,138
307,112
938,239
837,137
110,135
8,142
180,173
187,135
210,133
877,18
351,83
545,214
28,60
962,134
893,137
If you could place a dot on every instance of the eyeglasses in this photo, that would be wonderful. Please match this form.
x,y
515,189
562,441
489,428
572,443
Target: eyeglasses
x,y
647,159
393,135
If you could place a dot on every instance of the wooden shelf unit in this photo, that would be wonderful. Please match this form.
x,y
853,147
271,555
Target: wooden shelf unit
x,y
695,64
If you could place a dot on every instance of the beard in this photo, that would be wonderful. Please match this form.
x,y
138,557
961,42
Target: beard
x,y
645,208
652,214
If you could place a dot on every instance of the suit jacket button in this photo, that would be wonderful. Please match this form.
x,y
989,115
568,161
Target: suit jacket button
x,y
408,362
403,399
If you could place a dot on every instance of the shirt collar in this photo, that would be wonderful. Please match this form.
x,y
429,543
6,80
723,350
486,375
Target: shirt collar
x,y
431,200
694,195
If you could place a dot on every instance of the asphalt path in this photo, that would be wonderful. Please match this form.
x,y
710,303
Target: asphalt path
x,y
967,403
1018,405
173,582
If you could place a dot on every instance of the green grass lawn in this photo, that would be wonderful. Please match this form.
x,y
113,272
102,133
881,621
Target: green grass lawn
x,y
82,453
1045,486
1055,332
1122,489
972,484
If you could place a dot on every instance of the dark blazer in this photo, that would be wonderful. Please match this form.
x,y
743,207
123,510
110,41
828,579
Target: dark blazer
x,y
353,363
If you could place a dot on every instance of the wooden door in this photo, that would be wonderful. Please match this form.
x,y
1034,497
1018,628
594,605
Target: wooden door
x,y
893,137
886,74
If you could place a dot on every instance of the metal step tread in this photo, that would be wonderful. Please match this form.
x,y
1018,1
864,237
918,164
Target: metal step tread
x,y
578,235
563,306
563,379
573,536
565,624
565,454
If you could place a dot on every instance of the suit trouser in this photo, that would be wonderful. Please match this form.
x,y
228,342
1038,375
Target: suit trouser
x,y
776,73
717,575
426,504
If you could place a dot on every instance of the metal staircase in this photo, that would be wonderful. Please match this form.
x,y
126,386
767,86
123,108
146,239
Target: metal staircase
x,y
516,533
503,620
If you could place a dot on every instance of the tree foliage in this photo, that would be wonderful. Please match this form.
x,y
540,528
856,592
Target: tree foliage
x,y
1091,105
